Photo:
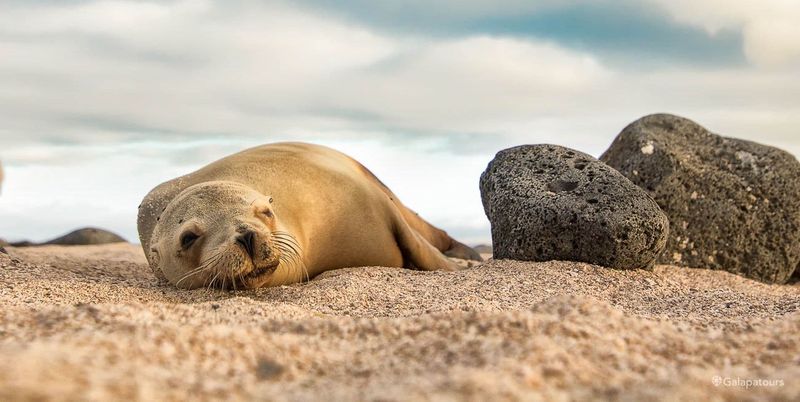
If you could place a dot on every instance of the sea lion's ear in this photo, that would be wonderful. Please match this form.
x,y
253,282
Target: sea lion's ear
x,y
154,258
270,199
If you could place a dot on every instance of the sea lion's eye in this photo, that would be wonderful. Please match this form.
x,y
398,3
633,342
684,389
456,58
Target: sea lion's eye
x,y
267,213
187,239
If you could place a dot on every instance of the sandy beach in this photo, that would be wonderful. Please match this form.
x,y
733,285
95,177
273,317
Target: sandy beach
x,y
92,323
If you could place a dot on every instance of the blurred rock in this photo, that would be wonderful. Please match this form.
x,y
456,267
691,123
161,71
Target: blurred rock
x,y
80,237
23,243
483,249
86,236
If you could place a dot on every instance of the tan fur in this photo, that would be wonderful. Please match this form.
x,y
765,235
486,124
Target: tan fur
x,y
339,214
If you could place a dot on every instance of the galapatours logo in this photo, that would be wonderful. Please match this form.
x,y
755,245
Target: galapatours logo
x,y
746,382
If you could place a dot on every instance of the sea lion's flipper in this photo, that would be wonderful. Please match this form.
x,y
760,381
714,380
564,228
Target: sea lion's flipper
x,y
462,251
418,252
436,237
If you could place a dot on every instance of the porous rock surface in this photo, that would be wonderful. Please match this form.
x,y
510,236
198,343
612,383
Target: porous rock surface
x,y
732,204
547,202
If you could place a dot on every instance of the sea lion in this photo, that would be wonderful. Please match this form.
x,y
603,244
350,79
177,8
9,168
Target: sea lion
x,y
280,214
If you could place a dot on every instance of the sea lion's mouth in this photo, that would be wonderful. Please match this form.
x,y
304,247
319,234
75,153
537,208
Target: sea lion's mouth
x,y
260,271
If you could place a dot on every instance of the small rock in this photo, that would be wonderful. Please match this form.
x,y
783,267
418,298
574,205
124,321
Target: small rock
x,y
547,202
483,249
87,236
741,199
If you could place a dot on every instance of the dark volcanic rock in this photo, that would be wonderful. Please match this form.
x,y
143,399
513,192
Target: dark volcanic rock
x,y
547,202
733,205
86,236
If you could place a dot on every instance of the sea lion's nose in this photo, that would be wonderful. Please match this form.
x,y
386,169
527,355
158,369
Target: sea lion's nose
x,y
248,242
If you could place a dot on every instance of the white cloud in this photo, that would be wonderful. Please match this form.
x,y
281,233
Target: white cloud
x,y
769,28
466,85
187,66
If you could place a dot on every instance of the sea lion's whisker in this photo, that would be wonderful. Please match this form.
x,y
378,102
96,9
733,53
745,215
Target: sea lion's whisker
x,y
288,238
291,257
205,265
303,266
285,235
211,284
287,248
286,256
233,280
289,244
194,271
188,274
295,246
226,271
283,247
283,258
210,260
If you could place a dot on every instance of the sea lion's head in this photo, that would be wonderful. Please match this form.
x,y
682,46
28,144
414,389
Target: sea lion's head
x,y
220,234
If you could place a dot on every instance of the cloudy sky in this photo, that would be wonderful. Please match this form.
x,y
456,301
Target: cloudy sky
x,y
102,100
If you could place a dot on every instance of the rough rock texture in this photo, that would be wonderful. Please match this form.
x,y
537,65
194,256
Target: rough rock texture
x,y
732,204
86,236
92,323
547,202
